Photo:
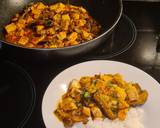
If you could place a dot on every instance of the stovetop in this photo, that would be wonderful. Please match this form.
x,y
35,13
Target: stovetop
x,y
143,53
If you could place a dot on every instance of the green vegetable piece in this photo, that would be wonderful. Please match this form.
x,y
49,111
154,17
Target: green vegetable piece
x,y
86,95
48,23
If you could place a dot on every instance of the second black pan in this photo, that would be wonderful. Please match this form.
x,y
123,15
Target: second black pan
x,y
106,12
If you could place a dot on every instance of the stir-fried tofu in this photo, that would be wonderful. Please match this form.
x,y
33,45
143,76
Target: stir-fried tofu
x,y
75,16
37,8
73,36
23,40
41,6
62,35
39,27
85,34
96,112
143,95
65,17
57,7
103,101
10,28
37,40
86,111
97,97
57,17
62,25
132,94
82,22
68,104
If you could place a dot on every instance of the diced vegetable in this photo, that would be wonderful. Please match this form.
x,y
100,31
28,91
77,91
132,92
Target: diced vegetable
x,y
87,95
48,23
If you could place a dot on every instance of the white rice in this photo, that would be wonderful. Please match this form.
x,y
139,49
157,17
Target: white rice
x,y
134,119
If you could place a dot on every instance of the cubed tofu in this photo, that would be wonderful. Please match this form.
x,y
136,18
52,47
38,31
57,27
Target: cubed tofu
x,y
57,7
65,17
85,34
57,17
119,80
21,23
121,94
74,42
103,101
74,84
137,86
62,35
41,6
36,40
65,25
53,46
75,16
10,28
36,11
68,104
132,94
86,111
143,95
85,80
73,36
83,10
39,27
106,78
23,40
50,31
96,112
81,22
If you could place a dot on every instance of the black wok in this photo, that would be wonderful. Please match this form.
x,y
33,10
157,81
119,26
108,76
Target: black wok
x,y
106,12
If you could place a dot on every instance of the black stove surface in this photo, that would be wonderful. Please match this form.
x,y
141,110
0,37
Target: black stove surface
x,y
17,95
144,54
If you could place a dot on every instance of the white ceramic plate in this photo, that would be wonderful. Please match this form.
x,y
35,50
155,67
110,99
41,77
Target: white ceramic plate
x,y
59,85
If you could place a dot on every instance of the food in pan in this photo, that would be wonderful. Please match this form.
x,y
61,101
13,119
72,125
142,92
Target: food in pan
x,y
99,97
51,26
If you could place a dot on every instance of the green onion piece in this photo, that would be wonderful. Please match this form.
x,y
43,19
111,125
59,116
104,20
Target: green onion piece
x,y
86,95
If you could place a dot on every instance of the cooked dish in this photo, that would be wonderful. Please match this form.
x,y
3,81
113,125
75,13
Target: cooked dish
x,y
54,26
100,96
